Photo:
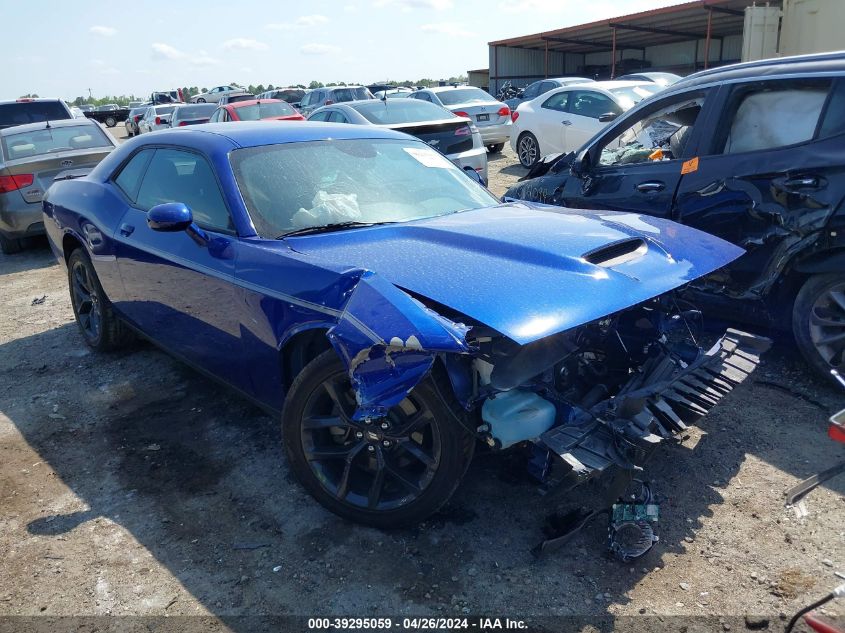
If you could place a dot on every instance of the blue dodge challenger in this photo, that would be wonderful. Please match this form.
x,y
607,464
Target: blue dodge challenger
x,y
392,313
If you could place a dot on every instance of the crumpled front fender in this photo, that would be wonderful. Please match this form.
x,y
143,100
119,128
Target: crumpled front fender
x,y
388,341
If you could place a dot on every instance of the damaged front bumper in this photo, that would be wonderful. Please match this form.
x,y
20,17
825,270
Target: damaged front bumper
x,y
655,405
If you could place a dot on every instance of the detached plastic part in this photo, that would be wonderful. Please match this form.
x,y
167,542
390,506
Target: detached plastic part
x,y
389,341
656,405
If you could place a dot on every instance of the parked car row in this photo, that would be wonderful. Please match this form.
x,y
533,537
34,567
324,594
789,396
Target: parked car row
x,y
455,136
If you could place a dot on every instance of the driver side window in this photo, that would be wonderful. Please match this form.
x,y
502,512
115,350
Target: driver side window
x,y
531,91
175,175
592,104
660,132
557,102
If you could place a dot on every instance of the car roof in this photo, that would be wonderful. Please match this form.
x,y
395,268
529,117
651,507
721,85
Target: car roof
x,y
571,78
34,99
607,85
41,125
249,102
393,103
799,64
448,88
258,133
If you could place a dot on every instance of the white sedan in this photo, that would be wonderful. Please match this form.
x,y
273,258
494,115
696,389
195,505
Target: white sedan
x,y
156,118
215,94
562,120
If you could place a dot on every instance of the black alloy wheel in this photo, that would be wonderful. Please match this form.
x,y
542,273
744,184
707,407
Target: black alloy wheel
x,y
99,326
388,472
819,322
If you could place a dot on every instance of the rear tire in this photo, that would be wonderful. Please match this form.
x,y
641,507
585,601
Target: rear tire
x,y
10,246
111,121
527,150
100,327
339,461
818,323
495,149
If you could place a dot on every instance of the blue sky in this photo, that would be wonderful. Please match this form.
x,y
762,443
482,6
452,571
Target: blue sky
x,y
64,48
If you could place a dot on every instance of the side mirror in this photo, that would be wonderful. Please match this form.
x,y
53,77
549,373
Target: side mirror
x,y
607,117
469,171
579,165
169,217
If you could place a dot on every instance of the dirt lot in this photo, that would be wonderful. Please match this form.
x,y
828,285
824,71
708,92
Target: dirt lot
x,y
131,486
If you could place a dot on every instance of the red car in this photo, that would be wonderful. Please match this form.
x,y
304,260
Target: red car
x,y
256,110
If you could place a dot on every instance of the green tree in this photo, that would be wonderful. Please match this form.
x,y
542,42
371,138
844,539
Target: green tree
x,y
315,84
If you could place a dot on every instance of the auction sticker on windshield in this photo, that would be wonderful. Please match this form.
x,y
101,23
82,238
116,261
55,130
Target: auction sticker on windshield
x,y
428,157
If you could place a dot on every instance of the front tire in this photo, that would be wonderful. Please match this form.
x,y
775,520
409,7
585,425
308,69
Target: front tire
x,y
111,121
200,100
496,148
388,473
818,323
99,326
527,150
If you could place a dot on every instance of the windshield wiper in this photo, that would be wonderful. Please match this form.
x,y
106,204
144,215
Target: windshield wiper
x,y
328,228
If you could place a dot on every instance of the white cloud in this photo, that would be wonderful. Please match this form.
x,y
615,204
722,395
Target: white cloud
x,y
407,5
452,29
311,20
105,31
318,49
166,51
350,8
245,44
303,21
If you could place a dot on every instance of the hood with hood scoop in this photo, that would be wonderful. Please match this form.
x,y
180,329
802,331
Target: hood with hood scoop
x,y
528,271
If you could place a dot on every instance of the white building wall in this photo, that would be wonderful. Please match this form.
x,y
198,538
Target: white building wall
x,y
812,26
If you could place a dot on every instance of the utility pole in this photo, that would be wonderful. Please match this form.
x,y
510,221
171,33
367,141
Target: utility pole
x,y
90,95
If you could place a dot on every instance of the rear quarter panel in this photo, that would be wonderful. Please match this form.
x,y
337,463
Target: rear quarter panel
x,y
87,212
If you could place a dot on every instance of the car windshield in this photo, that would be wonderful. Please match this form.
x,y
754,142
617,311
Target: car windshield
x,y
54,139
31,112
164,109
264,110
243,97
401,111
291,96
465,95
629,96
349,94
318,183
197,111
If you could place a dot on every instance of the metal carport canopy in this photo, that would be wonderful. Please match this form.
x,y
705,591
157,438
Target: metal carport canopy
x,y
699,19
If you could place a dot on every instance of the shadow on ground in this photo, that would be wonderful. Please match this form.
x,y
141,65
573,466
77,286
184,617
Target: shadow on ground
x,y
198,477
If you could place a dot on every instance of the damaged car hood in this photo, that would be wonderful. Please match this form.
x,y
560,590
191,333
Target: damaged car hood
x,y
528,271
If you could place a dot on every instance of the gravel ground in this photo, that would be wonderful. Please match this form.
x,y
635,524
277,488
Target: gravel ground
x,y
130,485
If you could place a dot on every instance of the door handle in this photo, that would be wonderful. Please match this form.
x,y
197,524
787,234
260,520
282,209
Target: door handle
x,y
798,183
646,187
566,122
126,230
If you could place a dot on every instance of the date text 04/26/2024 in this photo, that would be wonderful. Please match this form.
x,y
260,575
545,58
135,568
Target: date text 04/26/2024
x,y
417,624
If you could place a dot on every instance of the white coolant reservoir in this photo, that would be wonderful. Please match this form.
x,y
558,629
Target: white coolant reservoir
x,y
517,415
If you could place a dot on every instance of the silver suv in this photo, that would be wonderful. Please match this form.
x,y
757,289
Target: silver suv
x,y
23,111
336,94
